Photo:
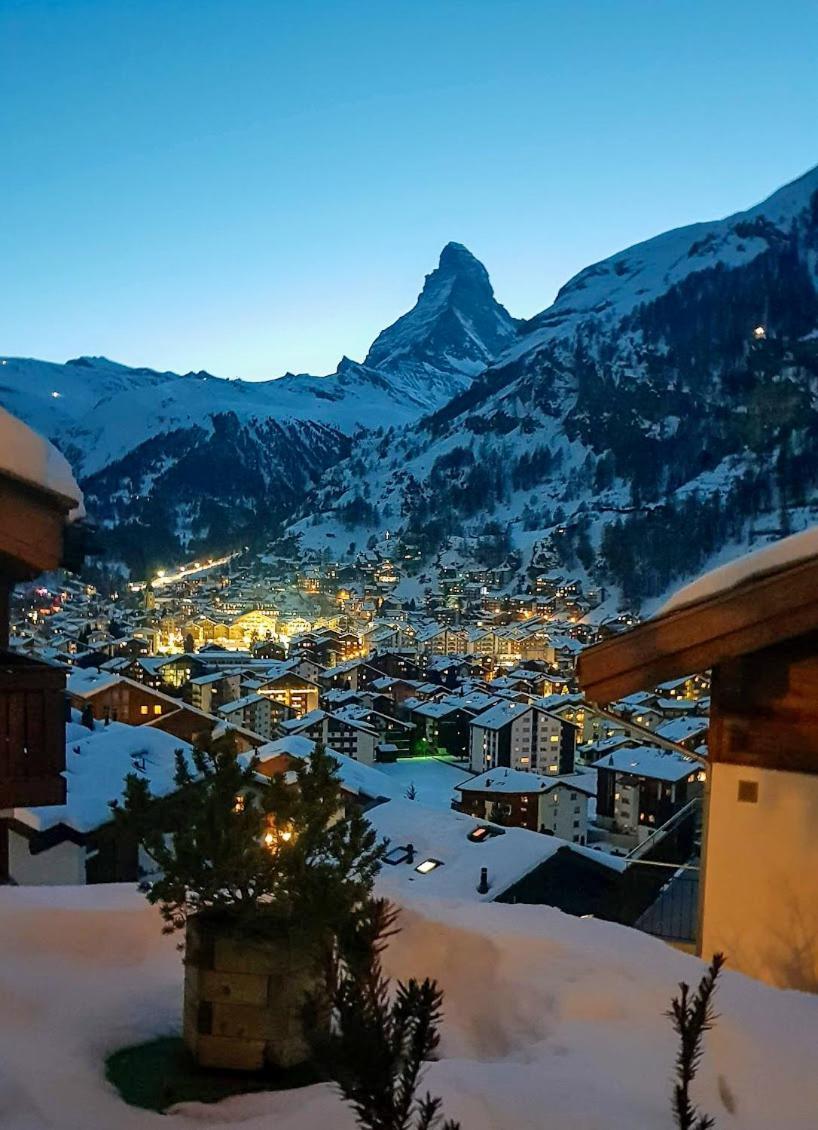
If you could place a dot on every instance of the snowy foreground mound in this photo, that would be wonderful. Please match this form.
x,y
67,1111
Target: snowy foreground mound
x,y
552,1023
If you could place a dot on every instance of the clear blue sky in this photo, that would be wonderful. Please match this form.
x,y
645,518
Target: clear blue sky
x,y
250,186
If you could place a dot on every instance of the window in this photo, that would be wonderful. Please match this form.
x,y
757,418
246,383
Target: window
x,y
554,738
576,823
157,709
428,865
143,710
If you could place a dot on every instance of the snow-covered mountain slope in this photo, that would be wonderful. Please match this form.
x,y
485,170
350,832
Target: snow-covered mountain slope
x,y
662,408
155,447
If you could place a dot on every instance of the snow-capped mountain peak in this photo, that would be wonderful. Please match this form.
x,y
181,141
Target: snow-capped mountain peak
x,y
456,325
204,452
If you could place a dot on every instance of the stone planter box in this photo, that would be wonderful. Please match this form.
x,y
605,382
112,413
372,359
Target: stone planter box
x,y
245,997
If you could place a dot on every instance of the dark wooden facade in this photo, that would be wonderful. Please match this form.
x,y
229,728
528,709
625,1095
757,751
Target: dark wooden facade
x,y
32,699
517,810
32,732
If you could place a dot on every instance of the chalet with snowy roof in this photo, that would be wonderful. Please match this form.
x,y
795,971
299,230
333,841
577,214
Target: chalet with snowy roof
x,y
688,732
754,623
359,781
112,698
443,725
292,690
353,674
353,737
640,708
554,805
39,502
209,692
75,842
437,640
253,712
328,647
517,735
396,664
394,733
687,686
640,787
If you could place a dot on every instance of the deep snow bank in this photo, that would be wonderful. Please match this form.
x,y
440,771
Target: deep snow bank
x,y
552,1023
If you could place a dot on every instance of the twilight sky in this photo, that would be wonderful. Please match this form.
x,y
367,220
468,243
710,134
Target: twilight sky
x,y
251,187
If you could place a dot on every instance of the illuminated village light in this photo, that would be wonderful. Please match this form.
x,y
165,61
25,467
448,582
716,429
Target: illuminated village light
x,y
759,333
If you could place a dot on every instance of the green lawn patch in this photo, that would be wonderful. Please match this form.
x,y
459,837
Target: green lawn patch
x,y
162,1072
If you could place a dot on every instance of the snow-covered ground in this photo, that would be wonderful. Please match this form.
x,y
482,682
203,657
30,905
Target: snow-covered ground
x,y
434,779
552,1022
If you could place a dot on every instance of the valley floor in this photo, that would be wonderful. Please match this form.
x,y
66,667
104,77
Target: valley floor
x,y
552,1022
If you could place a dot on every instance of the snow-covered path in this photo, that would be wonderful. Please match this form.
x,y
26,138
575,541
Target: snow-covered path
x,y
552,1023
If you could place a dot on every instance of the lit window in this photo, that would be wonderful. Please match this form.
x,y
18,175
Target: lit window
x,y
157,709
238,805
143,710
554,738
428,865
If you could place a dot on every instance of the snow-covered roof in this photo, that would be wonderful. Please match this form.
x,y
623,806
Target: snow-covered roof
x,y
97,763
519,781
363,780
680,729
474,700
437,709
88,680
769,559
443,836
29,456
648,761
500,715
242,703
311,718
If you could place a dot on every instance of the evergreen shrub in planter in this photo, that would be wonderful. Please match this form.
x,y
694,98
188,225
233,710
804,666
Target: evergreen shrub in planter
x,y
264,875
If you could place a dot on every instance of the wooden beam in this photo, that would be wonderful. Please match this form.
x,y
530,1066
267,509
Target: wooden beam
x,y
763,611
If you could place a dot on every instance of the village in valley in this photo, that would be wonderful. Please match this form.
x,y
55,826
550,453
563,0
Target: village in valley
x,y
457,708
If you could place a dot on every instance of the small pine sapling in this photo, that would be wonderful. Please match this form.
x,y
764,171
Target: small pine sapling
x,y
692,1016
382,1038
